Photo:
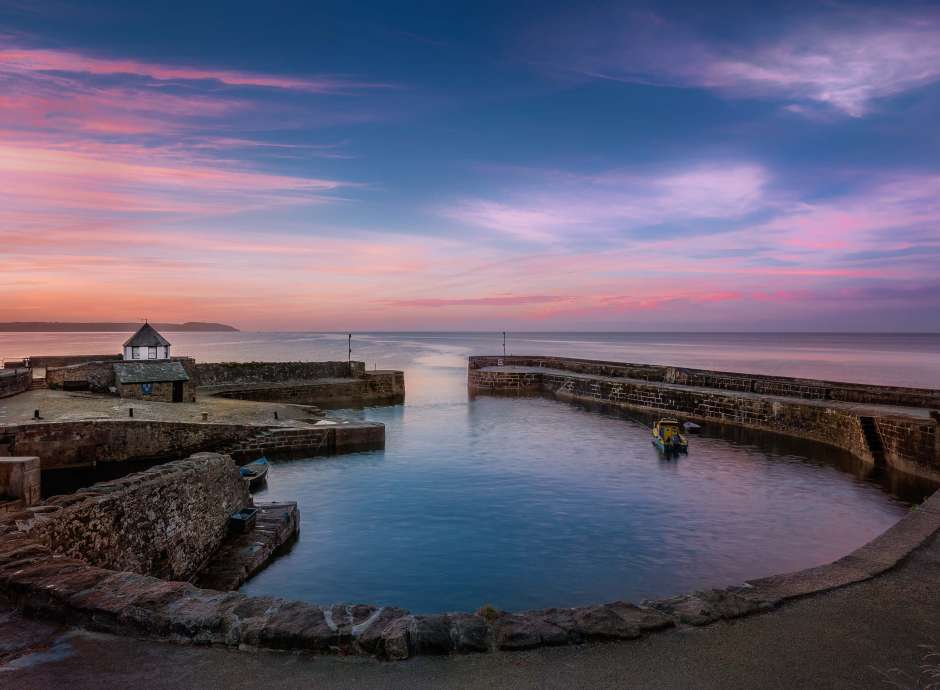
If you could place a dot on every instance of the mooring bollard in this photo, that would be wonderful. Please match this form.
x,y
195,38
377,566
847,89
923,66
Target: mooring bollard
x,y
130,411
35,414
275,414
205,416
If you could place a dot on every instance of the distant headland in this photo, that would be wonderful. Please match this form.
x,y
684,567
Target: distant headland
x,y
89,327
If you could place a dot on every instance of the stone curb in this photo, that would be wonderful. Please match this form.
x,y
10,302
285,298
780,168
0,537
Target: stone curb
x,y
47,585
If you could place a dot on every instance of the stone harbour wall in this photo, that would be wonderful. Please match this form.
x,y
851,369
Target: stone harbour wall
x,y
65,587
165,522
308,442
99,377
809,389
84,443
46,361
826,425
911,443
222,373
13,381
374,388
95,376
20,483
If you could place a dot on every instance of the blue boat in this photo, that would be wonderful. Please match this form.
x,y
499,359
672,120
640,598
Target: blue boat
x,y
255,473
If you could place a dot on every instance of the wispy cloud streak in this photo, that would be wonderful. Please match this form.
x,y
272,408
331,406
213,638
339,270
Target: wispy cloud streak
x,y
570,207
846,59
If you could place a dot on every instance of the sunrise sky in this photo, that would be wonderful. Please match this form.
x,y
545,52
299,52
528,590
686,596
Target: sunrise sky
x,y
505,165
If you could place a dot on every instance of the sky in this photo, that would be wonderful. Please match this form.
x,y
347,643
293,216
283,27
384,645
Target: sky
x,y
472,166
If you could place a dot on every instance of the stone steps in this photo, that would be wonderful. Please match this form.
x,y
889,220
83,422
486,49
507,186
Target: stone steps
x,y
313,441
243,555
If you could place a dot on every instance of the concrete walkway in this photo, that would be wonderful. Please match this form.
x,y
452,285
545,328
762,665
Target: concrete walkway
x,y
876,634
854,408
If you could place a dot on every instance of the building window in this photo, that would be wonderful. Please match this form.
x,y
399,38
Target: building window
x,y
135,353
152,353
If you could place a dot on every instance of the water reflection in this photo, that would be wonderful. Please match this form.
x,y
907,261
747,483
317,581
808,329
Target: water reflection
x,y
528,502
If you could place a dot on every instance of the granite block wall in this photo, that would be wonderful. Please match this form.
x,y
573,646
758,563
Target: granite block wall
x,y
84,443
222,373
95,376
13,381
165,522
911,443
810,389
373,388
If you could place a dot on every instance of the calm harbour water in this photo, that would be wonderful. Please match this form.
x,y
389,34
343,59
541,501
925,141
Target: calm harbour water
x,y
525,503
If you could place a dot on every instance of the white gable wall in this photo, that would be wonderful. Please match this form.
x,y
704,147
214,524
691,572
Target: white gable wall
x,y
144,353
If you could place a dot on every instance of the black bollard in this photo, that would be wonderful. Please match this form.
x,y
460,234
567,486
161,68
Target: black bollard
x,y
275,414
35,414
130,411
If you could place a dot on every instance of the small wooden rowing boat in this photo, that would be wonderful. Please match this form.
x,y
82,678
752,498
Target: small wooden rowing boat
x,y
255,473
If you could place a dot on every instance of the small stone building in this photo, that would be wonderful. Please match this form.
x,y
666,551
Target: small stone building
x,y
146,344
163,381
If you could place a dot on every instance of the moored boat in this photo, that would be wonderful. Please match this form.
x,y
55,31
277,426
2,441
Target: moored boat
x,y
667,439
255,473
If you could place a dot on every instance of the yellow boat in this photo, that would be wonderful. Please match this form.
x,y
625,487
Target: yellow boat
x,y
667,439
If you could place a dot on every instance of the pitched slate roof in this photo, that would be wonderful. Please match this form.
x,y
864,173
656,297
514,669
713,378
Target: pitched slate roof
x,y
146,336
157,371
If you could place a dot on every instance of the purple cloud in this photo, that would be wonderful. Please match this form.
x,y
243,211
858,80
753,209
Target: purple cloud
x,y
573,207
845,60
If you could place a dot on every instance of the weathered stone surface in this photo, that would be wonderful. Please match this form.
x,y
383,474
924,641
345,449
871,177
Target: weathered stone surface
x,y
431,635
244,619
165,521
67,444
396,639
220,373
468,633
150,610
298,625
242,555
702,608
368,633
20,479
525,631
13,381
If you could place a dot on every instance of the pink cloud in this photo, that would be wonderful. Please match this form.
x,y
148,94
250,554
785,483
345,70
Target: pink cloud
x,y
127,178
501,301
33,60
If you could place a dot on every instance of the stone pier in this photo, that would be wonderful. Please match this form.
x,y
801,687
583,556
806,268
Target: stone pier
x,y
20,483
886,425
